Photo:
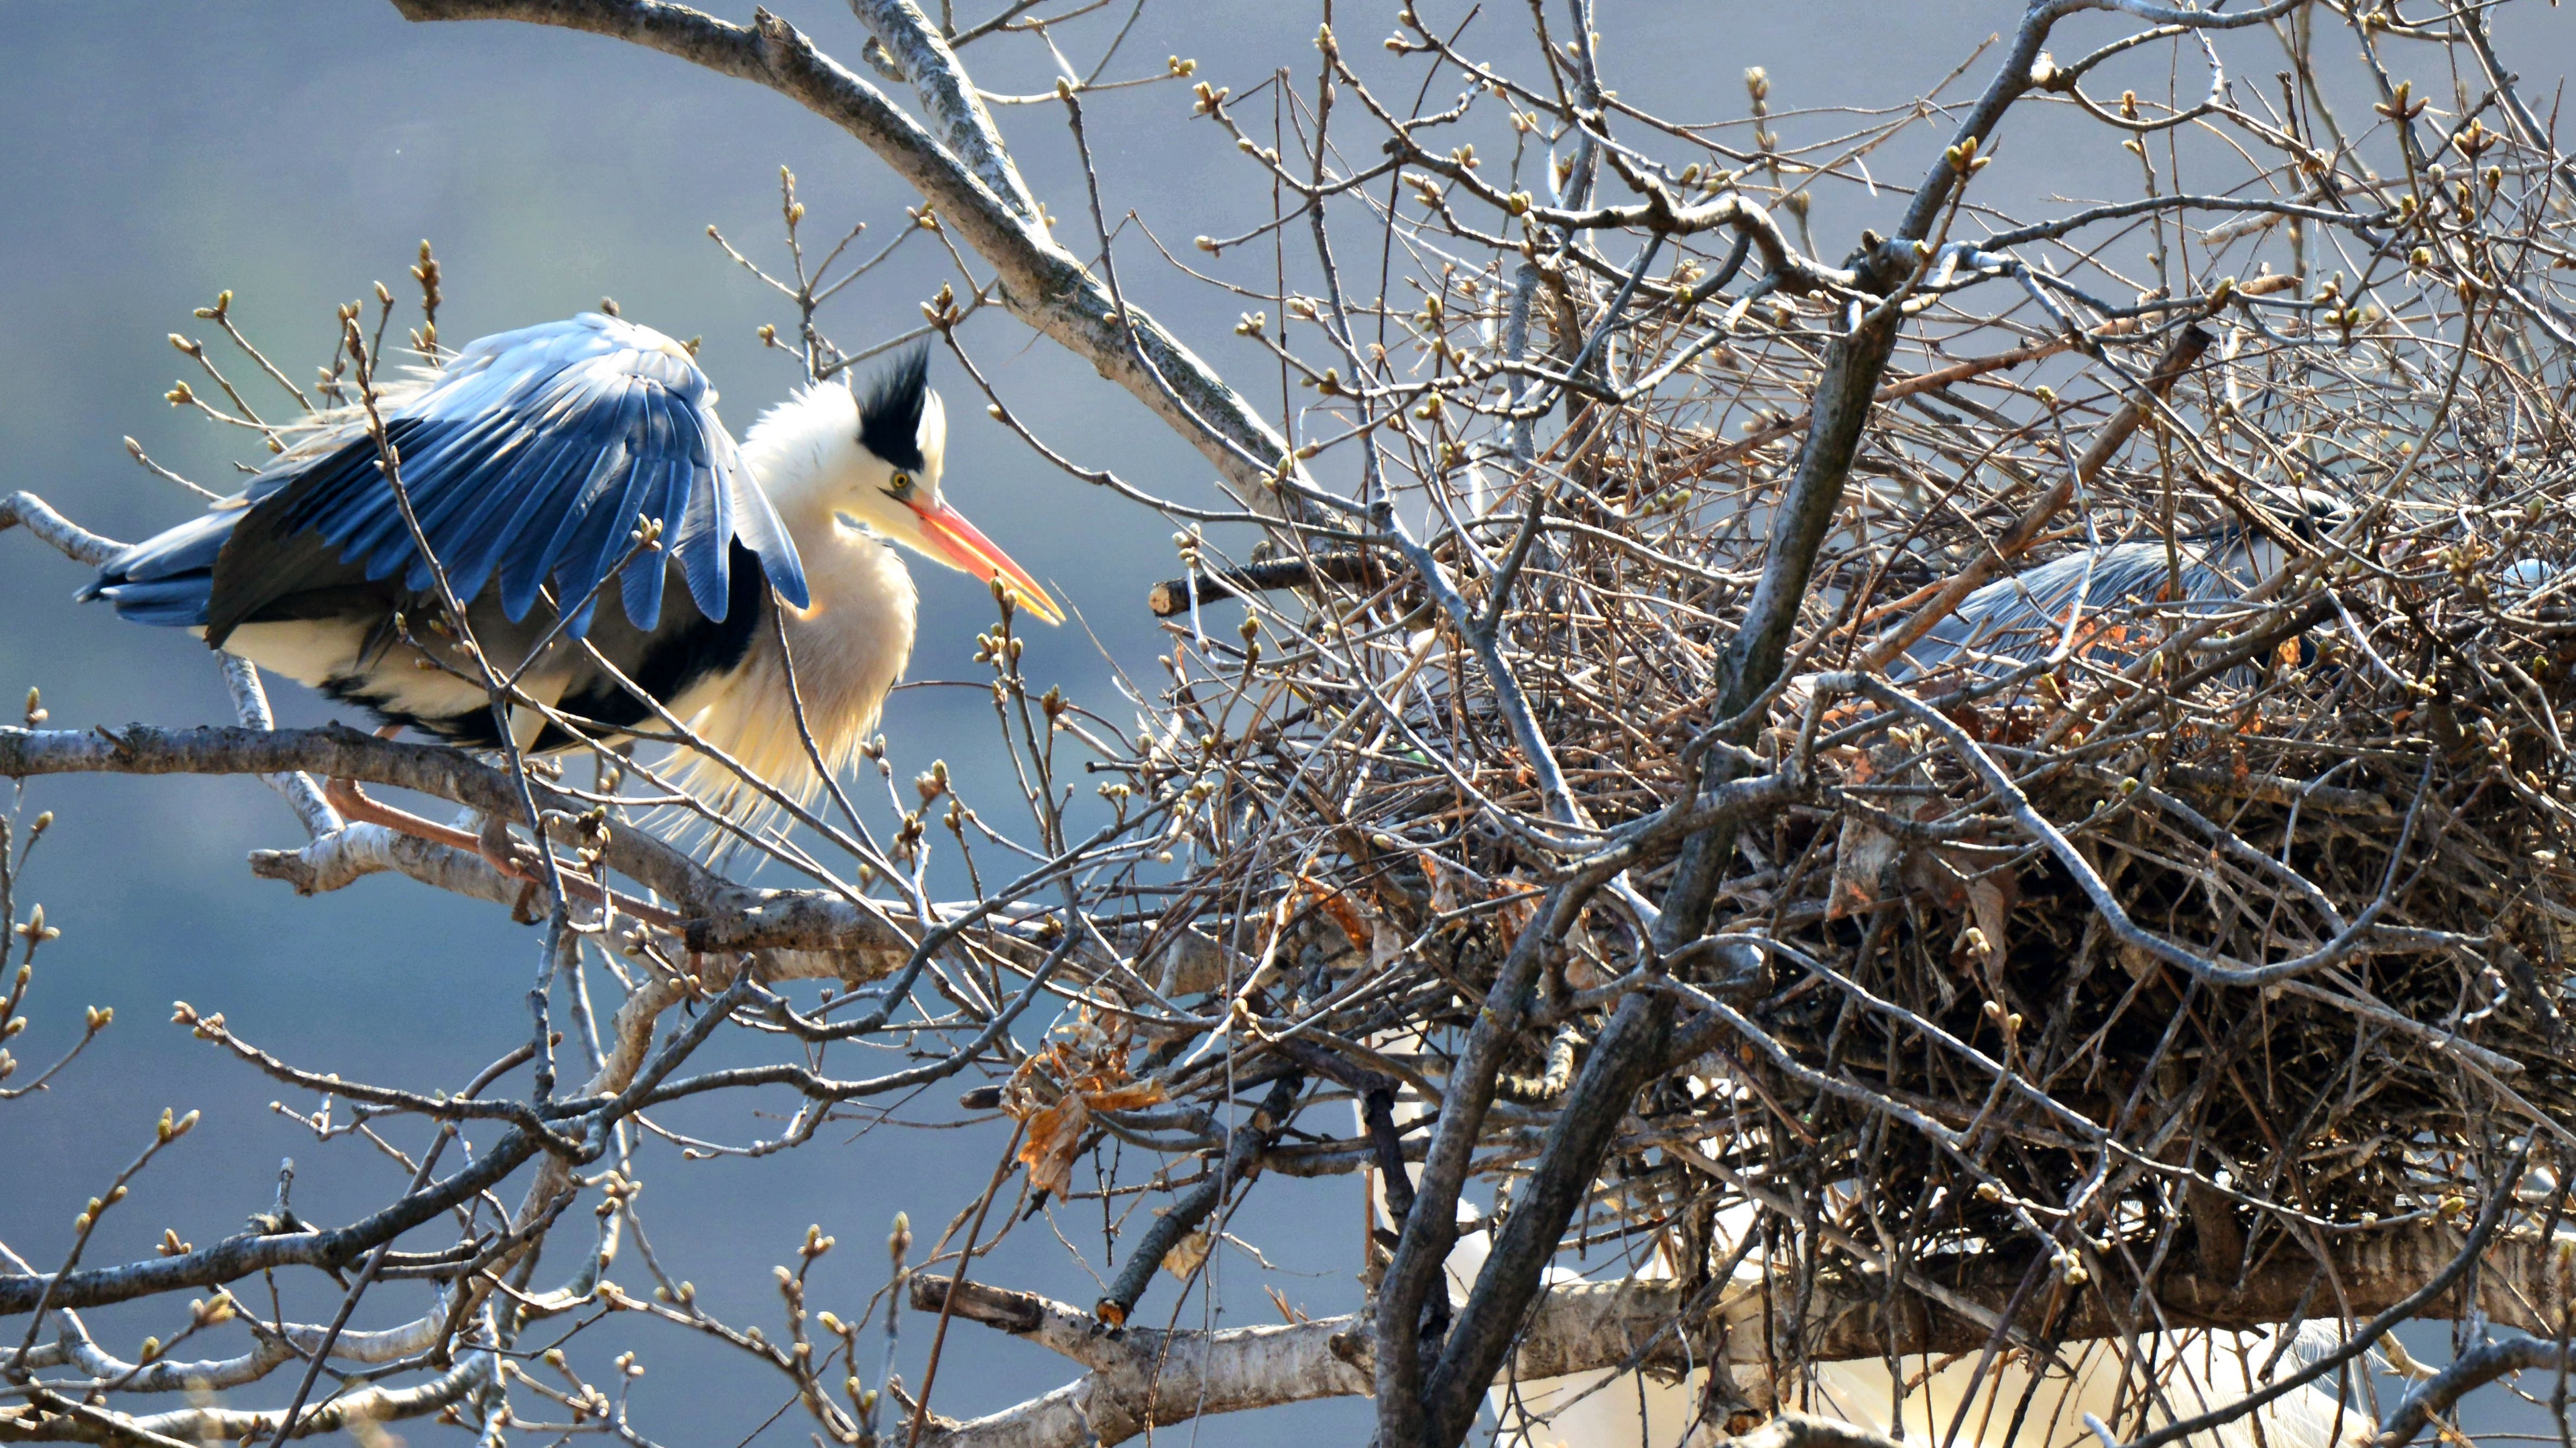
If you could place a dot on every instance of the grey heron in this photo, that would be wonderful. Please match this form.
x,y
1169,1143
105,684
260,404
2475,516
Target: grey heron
x,y
2102,592
530,461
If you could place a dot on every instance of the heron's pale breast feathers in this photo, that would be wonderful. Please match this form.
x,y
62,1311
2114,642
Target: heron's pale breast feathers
x,y
848,648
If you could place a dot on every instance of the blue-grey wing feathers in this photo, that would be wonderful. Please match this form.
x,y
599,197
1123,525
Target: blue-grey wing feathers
x,y
2023,619
528,461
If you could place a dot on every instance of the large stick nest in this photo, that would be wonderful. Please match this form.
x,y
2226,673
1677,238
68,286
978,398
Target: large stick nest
x,y
2357,773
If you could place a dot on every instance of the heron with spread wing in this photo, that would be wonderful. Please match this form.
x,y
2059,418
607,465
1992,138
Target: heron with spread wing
x,y
622,564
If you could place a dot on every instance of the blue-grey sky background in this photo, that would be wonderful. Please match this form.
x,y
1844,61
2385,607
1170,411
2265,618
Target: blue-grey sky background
x,y
151,156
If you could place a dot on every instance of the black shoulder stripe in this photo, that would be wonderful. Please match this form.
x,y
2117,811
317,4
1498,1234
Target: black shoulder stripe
x,y
679,654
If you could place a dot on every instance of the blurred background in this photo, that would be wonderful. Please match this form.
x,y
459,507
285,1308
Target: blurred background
x,y
298,153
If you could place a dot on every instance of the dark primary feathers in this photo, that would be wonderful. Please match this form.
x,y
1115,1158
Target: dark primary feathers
x,y
528,460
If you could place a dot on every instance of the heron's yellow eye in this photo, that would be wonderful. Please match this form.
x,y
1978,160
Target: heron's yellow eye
x,y
901,486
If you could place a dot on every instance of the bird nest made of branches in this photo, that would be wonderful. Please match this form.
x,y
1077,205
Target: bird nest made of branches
x,y
2260,886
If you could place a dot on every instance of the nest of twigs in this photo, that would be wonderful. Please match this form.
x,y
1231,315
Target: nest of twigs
x,y
2331,816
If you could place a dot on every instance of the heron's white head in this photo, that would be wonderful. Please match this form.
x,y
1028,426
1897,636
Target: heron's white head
x,y
874,457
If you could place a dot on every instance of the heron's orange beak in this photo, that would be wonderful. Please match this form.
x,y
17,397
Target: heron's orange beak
x,y
959,545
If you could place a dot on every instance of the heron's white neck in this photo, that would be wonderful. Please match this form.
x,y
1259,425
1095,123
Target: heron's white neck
x,y
804,453
851,643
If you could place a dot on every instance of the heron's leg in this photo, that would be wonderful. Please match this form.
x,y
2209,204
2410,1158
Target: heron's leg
x,y
512,858
355,807
493,843
358,808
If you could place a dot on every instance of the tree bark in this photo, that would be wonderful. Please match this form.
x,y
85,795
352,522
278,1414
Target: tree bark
x,y
1146,1376
1043,284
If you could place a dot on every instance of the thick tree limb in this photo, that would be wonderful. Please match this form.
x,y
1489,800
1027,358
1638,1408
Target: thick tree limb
x,y
725,916
1585,1327
1424,1238
36,1424
965,127
1043,284
26,510
1630,1050
735,916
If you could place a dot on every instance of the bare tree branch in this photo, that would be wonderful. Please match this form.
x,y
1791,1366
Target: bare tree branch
x,y
1042,283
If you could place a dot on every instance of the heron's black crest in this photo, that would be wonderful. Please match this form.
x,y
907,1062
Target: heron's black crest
x,y
891,407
